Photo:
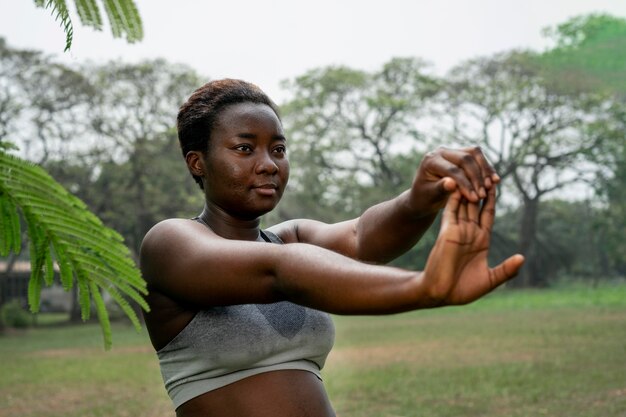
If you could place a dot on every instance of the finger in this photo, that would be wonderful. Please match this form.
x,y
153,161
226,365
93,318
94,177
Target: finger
x,y
470,168
463,216
506,270
451,211
440,189
489,173
473,212
488,211
445,168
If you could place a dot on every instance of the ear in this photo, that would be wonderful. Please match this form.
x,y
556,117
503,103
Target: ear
x,y
195,163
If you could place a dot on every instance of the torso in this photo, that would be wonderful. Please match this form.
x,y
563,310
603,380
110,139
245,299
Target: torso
x,y
284,393
289,393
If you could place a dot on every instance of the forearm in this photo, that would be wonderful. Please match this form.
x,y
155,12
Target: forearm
x,y
389,229
330,282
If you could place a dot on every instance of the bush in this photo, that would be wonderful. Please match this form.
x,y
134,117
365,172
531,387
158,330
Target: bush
x,y
14,315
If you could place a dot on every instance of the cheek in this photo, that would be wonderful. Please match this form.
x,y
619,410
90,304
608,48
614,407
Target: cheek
x,y
232,177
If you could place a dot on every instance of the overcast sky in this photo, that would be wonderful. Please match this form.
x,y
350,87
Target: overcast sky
x,y
268,41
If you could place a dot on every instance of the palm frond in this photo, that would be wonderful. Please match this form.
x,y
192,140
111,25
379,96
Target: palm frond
x,y
62,229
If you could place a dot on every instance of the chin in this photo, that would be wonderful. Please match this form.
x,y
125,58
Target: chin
x,y
256,212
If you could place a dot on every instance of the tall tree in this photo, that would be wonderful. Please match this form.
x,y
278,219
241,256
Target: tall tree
x,y
588,55
133,116
591,51
354,135
538,139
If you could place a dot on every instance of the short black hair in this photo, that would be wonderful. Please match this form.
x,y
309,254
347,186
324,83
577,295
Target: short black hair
x,y
196,118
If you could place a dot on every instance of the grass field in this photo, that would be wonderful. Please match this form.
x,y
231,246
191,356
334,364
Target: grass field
x,y
559,352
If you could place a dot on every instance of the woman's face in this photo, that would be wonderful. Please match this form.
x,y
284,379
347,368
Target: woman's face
x,y
246,167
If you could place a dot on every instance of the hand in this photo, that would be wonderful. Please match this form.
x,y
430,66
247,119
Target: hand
x,y
457,271
445,170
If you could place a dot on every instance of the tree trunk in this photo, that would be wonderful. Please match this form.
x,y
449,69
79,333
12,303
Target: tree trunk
x,y
530,275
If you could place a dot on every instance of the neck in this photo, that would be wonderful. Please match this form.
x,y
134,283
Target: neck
x,y
229,227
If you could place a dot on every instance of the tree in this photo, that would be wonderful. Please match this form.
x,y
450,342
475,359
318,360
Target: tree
x,y
588,56
538,139
132,116
60,227
353,136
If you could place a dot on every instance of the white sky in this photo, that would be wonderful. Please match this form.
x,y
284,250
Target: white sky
x,y
268,41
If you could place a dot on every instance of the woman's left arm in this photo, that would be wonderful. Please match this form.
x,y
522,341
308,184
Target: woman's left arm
x,y
387,230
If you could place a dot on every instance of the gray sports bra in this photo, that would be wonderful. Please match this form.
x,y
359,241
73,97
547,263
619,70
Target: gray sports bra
x,y
223,345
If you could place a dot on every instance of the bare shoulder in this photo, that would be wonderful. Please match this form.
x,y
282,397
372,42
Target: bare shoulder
x,y
168,241
173,232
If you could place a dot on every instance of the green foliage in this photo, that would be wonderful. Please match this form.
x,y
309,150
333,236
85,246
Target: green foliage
x,y
123,16
589,56
13,315
61,229
353,136
60,12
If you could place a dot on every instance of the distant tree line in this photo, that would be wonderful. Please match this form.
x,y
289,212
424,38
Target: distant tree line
x,y
550,125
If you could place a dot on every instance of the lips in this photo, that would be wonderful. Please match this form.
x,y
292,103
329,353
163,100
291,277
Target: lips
x,y
267,186
268,189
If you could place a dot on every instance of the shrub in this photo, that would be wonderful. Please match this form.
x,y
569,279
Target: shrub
x,y
14,315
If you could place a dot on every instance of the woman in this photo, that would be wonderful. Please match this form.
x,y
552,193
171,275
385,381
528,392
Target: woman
x,y
239,315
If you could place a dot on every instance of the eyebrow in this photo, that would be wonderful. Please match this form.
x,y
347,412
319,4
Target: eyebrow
x,y
253,136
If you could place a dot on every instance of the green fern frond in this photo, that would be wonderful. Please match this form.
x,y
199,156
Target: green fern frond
x,y
62,229
124,19
89,13
10,237
84,298
125,306
60,12
103,316
38,246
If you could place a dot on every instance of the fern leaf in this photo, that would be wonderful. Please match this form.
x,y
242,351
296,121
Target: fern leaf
x,y
62,14
34,290
38,246
61,229
103,315
84,297
126,307
10,233
65,267
124,19
132,19
89,13
48,267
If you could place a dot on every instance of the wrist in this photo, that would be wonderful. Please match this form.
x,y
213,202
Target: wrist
x,y
418,208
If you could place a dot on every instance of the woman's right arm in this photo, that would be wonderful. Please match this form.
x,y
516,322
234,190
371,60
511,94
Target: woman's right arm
x,y
186,262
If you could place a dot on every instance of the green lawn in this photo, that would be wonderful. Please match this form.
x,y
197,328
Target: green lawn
x,y
558,352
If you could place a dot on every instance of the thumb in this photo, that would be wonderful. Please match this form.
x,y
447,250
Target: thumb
x,y
506,270
441,189
446,185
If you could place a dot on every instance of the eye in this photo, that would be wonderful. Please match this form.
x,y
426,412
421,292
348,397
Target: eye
x,y
280,149
244,147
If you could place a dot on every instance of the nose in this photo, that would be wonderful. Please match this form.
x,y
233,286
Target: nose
x,y
266,164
